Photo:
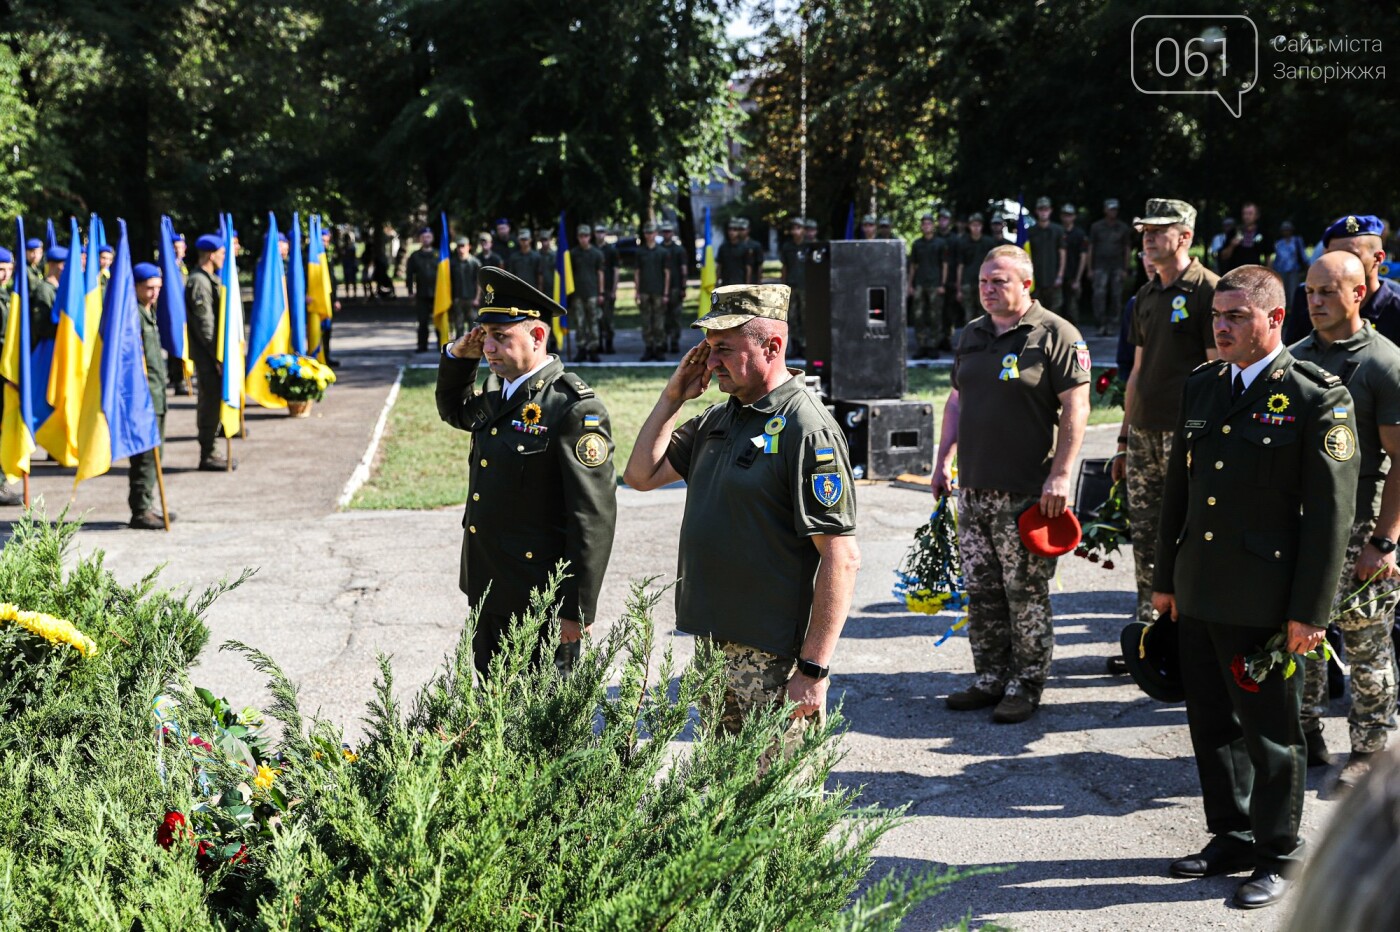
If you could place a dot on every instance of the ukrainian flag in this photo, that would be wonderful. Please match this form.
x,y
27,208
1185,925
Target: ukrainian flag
x,y
67,369
442,291
17,427
709,273
319,304
563,284
171,319
92,287
118,416
271,327
230,336
296,289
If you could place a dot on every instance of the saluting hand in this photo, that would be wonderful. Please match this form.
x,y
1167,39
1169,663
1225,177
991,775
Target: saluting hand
x,y
470,346
692,376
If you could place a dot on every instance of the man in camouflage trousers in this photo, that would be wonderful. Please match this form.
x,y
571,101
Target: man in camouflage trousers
x,y
1345,345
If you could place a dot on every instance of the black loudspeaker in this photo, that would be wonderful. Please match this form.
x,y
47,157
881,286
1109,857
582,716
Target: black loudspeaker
x,y
887,438
853,317
1095,482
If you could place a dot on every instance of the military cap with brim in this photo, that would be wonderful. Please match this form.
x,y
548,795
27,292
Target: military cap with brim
x,y
945,212
1067,209
1354,225
1162,211
507,299
809,224
1151,655
667,226
1048,537
57,254
6,255
735,305
925,216
1043,202
209,243
584,230
143,271
868,218
975,218
886,222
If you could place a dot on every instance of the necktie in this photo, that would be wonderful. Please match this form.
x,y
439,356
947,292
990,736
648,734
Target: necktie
x,y
1238,387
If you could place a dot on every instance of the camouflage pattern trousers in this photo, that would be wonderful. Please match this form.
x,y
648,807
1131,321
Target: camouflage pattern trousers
x,y
755,679
1148,453
653,311
926,314
584,319
1008,591
1364,616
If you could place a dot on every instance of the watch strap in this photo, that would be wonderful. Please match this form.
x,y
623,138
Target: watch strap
x,y
812,669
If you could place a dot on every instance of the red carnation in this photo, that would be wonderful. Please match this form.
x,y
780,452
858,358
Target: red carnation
x,y
203,856
1242,678
240,856
1102,383
173,826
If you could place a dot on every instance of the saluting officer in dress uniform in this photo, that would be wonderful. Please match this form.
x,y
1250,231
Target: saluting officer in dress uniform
x,y
1256,513
543,487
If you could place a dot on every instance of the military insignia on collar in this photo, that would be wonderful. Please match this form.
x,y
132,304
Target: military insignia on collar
x,y
591,450
1277,403
828,487
1340,443
489,296
1276,375
1081,355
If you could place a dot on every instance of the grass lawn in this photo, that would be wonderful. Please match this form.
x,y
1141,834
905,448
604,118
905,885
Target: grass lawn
x,y
423,462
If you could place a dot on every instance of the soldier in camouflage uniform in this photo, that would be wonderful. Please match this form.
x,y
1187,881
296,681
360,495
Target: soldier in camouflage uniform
x,y
653,283
1171,336
142,481
587,262
770,593
1369,364
1013,424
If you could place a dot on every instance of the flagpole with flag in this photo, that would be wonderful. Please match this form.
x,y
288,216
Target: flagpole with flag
x,y
58,431
709,274
563,285
92,288
230,346
171,319
52,238
442,289
17,427
319,305
271,328
851,221
296,289
118,416
1023,238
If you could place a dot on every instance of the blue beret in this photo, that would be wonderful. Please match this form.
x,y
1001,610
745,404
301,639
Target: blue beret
x,y
501,220
34,243
57,254
178,238
209,243
1354,225
6,255
144,270
101,249
425,230
282,238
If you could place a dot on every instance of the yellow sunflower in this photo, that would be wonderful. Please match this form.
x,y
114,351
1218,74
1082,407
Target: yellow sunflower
x,y
1277,403
531,414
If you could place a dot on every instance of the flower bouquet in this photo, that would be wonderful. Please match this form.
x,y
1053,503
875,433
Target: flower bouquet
x,y
1102,537
1108,389
930,577
300,380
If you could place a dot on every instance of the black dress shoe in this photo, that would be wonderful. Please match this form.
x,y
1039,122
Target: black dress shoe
x,y
1263,888
1317,749
150,521
1215,858
216,464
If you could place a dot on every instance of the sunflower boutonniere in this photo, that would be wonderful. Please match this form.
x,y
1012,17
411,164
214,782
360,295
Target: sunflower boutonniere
x,y
530,414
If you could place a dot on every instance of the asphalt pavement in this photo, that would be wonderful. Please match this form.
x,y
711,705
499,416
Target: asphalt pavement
x,y
1088,800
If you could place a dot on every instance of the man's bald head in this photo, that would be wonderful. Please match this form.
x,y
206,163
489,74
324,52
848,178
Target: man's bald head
x,y
1336,287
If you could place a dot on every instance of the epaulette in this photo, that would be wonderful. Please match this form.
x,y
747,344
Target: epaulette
x,y
1316,373
575,384
1209,365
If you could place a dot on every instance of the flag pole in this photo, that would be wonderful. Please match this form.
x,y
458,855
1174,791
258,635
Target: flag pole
x,y
26,490
160,484
228,453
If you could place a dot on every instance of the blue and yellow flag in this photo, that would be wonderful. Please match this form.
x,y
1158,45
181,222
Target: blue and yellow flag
x,y
709,273
563,284
52,239
92,287
442,290
170,306
851,221
58,432
119,416
230,337
319,301
296,288
270,322
17,427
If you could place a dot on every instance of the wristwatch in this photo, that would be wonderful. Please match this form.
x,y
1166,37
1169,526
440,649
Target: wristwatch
x,y
810,668
1383,544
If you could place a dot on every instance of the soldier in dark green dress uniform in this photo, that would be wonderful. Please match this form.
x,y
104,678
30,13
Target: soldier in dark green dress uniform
x,y
34,262
543,486
141,475
1256,513
202,314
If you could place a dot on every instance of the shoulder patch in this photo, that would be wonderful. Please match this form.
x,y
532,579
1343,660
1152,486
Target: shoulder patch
x,y
1210,365
1316,373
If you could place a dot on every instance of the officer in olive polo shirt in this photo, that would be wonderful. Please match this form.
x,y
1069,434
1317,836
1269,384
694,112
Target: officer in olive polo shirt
x,y
1347,346
768,556
1171,336
542,481
1013,424
1256,512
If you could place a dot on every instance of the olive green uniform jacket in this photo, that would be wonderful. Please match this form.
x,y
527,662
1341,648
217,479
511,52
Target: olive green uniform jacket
x,y
539,492
1259,496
